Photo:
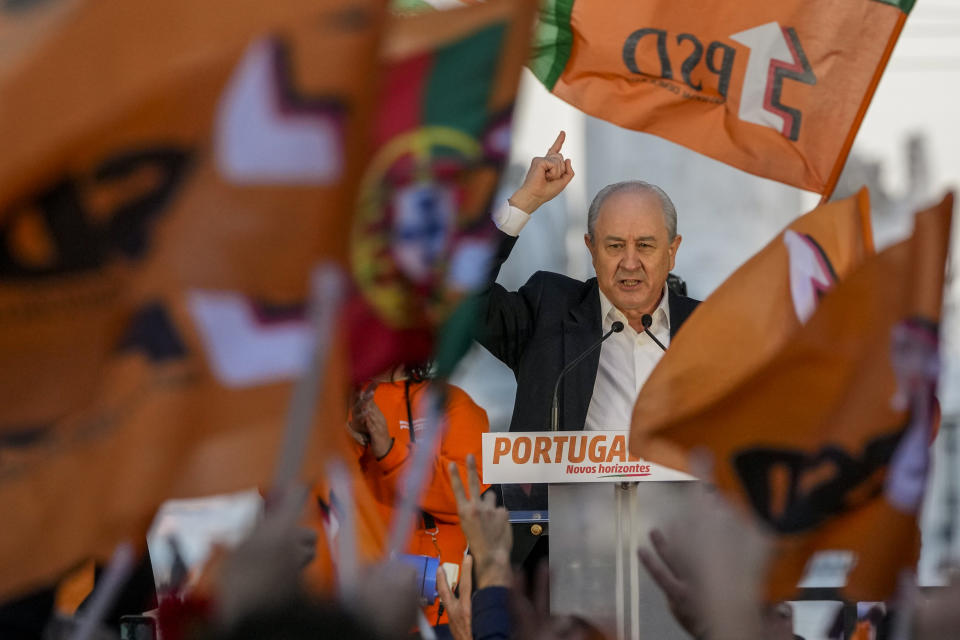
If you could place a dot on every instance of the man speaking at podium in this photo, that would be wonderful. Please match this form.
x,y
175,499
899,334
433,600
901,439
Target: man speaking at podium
x,y
554,324
580,351
604,335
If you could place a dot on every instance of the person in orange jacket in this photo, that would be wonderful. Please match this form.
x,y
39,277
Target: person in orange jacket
x,y
386,421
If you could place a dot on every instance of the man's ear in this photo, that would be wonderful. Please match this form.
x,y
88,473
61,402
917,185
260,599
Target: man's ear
x,y
673,250
589,242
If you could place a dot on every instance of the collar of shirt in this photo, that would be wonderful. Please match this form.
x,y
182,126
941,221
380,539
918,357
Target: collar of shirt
x,y
661,315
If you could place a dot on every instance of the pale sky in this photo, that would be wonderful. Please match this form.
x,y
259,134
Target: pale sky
x,y
919,92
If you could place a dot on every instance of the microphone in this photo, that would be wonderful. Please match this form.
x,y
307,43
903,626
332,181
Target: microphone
x,y
646,320
616,327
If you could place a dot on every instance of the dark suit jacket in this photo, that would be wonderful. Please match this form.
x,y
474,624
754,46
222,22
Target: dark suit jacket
x,y
539,329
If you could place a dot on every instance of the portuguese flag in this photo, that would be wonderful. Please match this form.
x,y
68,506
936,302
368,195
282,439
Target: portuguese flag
x,y
777,88
422,232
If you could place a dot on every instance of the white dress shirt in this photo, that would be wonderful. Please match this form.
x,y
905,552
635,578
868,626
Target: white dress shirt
x,y
626,358
626,361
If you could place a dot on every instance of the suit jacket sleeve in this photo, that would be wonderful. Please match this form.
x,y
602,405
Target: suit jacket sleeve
x,y
508,316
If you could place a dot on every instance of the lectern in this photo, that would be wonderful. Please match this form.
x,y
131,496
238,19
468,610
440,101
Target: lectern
x,y
601,507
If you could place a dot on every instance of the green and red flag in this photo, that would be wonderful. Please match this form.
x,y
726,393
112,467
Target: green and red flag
x,y
422,235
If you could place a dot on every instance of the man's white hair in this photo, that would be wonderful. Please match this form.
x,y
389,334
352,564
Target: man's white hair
x,y
633,186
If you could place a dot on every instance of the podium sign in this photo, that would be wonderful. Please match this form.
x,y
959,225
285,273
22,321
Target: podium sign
x,y
565,457
602,504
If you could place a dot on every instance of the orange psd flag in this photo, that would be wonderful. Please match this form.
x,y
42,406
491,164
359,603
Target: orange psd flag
x,y
755,311
827,442
776,88
172,173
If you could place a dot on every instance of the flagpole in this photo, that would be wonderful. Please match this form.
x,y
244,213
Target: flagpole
x,y
326,296
105,594
408,500
342,500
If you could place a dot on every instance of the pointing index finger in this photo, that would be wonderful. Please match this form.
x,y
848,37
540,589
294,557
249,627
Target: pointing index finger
x,y
555,147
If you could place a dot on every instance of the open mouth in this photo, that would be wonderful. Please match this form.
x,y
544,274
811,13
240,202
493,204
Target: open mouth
x,y
629,284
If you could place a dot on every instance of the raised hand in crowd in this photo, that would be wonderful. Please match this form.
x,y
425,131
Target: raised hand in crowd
x,y
547,177
675,578
531,614
264,570
532,617
259,584
458,605
711,570
486,527
487,530
778,622
387,598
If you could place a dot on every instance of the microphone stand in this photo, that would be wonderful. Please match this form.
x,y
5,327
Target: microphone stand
x,y
646,320
616,327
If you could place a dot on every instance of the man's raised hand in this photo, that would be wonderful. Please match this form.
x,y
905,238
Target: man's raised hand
x,y
547,177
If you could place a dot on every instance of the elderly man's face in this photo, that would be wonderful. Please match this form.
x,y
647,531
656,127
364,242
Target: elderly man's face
x,y
631,252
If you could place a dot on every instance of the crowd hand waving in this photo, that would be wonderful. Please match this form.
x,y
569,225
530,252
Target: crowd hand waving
x,y
458,608
547,177
387,598
532,619
712,594
486,528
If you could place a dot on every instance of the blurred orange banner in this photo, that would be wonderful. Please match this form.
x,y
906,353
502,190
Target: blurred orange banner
x,y
172,174
827,440
777,89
